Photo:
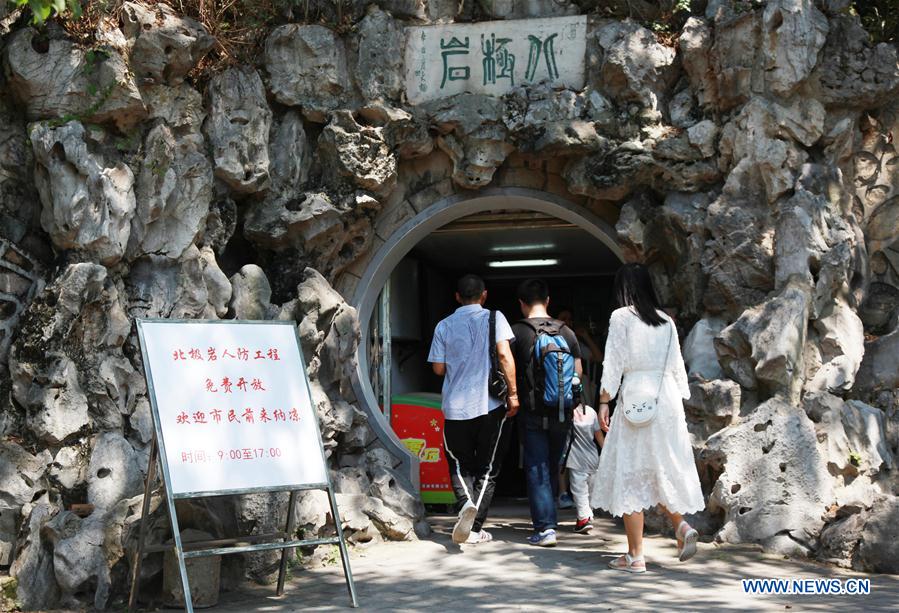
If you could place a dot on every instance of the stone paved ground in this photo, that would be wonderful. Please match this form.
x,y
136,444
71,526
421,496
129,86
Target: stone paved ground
x,y
507,574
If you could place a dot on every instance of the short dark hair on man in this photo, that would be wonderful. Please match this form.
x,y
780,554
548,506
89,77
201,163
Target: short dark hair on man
x,y
470,287
532,291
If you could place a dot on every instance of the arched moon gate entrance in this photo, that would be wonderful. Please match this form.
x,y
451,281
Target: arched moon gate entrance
x,y
405,238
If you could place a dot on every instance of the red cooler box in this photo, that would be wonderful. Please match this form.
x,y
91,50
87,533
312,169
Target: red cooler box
x,y
418,422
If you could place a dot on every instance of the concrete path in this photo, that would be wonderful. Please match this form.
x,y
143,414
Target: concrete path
x,y
508,575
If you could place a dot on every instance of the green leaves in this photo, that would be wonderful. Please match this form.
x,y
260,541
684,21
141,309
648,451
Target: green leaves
x,y
682,6
41,10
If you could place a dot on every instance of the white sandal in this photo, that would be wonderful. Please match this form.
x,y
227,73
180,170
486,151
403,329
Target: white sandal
x,y
629,564
688,536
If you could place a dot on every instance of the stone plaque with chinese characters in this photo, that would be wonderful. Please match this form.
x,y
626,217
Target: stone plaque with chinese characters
x,y
493,57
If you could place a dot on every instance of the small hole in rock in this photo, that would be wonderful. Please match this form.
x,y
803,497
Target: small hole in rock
x,y
744,510
783,465
734,488
776,21
7,309
103,472
767,448
761,427
41,44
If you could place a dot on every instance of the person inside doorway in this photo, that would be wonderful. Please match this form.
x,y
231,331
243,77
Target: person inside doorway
x,y
547,356
582,461
474,433
591,355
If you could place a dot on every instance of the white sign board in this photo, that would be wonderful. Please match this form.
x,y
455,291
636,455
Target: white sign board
x,y
492,57
232,406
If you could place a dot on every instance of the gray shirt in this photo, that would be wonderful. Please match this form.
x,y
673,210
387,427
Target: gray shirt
x,y
460,342
584,455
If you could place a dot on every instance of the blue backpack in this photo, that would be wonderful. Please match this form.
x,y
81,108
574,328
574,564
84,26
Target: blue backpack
x,y
550,368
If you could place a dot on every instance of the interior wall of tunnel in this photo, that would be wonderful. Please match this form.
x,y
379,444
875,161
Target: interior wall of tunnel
x,y
387,256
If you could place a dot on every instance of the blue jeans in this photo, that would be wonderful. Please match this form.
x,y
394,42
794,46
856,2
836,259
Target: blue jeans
x,y
544,442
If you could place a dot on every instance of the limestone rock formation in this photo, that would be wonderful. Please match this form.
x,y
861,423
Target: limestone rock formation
x,y
20,280
876,371
290,156
712,405
86,190
164,45
356,154
115,471
22,476
306,67
192,287
764,347
693,44
19,205
379,60
237,127
331,232
775,486
173,191
329,330
59,365
473,136
750,162
85,550
840,335
635,66
180,106
54,78
762,145
251,294
739,256
793,33
864,539
854,71
699,350
36,586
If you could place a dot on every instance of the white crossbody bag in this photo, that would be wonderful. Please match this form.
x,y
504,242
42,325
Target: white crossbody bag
x,y
642,407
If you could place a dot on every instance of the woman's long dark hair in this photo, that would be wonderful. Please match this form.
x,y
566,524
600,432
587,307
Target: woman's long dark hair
x,y
633,288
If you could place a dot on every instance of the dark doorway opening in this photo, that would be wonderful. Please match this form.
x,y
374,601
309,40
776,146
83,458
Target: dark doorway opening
x,y
503,247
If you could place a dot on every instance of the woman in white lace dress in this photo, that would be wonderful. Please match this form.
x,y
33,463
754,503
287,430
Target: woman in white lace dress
x,y
643,466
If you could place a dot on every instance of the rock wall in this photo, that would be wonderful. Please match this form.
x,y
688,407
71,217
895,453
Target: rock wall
x,y
750,162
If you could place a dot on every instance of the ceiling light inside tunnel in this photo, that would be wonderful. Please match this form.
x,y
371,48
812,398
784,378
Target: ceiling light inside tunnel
x,y
522,263
525,247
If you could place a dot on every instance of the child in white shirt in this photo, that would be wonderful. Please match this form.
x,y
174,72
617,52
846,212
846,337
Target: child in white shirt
x,y
582,463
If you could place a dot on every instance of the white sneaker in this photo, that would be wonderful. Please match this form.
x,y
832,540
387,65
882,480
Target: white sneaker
x,y
480,536
462,529
547,538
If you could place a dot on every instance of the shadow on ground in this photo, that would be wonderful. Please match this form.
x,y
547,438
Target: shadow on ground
x,y
507,574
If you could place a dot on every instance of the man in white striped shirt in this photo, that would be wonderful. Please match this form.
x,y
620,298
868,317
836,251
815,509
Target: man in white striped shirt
x,y
474,437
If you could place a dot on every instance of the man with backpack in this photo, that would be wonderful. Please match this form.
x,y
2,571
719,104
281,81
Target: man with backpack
x,y
547,357
471,351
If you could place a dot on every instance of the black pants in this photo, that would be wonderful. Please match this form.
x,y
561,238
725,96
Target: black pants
x,y
474,450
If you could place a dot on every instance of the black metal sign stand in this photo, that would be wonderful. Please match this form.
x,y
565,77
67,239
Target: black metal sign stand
x,y
261,542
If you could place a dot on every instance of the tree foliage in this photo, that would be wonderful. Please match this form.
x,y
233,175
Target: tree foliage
x,y
42,10
880,18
